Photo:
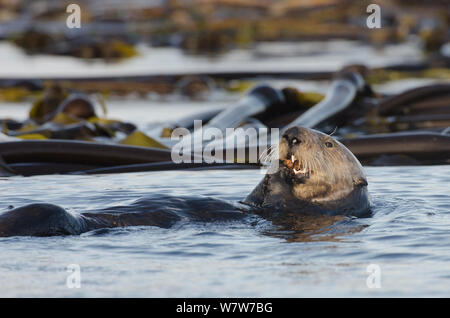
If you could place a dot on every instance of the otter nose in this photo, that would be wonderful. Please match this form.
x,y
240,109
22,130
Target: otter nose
x,y
292,136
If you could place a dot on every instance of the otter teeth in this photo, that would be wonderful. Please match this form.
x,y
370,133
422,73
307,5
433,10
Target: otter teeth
x,y
303,171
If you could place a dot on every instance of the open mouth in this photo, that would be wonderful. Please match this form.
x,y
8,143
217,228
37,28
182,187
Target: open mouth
x,y
296,167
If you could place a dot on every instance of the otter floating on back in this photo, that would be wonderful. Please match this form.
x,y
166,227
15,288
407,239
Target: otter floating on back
x,y
316,175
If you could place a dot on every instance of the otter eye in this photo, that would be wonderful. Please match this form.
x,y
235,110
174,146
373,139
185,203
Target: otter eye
x,y
329,144
295,141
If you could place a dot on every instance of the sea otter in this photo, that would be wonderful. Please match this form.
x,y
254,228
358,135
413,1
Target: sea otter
x,y
317,175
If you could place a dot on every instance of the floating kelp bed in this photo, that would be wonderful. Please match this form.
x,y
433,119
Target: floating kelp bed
x,y
161,80
191,84
404,129
32,157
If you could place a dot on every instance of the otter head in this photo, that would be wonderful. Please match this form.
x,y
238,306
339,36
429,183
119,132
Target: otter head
x,y
318,168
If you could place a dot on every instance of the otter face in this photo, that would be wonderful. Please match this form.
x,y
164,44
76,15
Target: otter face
x,y
318,167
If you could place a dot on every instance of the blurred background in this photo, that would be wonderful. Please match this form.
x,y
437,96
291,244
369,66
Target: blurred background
x,y
200,36
157,60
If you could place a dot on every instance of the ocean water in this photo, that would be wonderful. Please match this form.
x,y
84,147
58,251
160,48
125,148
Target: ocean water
x,y
406,241
404,248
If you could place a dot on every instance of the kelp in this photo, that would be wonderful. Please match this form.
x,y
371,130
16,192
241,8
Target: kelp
x,y
138,138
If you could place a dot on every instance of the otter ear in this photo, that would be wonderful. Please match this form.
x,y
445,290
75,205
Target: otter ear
x,y
360,182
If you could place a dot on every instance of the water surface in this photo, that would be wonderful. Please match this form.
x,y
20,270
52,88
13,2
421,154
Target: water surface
x,y
407,237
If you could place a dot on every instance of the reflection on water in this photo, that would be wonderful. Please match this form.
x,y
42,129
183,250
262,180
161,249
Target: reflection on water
x,y
407,236
308,228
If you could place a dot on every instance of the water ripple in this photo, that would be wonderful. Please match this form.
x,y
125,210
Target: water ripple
x,y
407,236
